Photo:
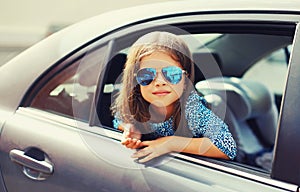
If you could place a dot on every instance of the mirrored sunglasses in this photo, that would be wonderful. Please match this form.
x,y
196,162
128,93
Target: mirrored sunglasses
x,y
172,74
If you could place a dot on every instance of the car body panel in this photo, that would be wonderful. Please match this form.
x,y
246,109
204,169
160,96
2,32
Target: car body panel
x,y
106,169
67,151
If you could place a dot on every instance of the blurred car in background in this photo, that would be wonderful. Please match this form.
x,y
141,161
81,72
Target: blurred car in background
x,y
56,126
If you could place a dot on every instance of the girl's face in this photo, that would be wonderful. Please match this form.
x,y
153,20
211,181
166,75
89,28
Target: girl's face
x,y
160,92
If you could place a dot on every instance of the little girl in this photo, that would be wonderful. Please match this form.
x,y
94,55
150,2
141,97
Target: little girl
x,y
158,108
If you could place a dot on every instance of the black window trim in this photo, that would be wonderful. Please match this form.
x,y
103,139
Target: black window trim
x,y
286,160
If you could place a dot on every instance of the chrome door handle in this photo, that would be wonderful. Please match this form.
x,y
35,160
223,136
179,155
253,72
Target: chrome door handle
x,y
33,168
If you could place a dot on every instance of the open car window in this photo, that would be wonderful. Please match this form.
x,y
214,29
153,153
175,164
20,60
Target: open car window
x,y
246,105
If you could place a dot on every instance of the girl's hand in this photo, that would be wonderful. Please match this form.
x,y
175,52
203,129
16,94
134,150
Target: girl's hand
x,y
154,148
131,136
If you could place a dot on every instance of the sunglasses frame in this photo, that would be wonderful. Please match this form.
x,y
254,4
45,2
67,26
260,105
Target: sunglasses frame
x,y
156,73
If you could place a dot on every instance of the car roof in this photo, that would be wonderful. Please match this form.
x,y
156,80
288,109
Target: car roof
x,y
127,16
105,22
91,28
48,51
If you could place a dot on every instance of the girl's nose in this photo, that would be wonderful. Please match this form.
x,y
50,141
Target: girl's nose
x,y
159,80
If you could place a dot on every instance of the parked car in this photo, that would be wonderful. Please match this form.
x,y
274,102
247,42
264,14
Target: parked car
x,y
56,125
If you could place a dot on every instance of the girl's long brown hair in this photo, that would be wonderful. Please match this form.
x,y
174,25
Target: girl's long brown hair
x,y
129,105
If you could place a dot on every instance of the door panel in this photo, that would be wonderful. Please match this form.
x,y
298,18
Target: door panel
x,y
85,161
82,161
220,177
76,166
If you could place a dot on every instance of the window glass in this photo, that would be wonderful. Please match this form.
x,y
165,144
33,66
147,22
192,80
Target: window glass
x,y
70,92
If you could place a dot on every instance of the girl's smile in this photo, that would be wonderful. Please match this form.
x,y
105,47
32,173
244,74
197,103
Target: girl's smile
x,y
161,93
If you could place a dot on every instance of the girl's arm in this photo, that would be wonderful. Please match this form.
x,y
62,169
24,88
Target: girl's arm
x,y
198,146
163,145
203,123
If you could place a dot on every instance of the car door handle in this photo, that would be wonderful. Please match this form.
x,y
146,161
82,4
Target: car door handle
x,y
40,167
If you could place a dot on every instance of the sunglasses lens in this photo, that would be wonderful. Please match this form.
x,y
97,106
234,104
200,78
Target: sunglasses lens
x,y
145,76
172,74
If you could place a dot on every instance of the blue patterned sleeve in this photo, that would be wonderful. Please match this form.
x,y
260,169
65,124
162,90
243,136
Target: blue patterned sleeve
x,y
204,123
